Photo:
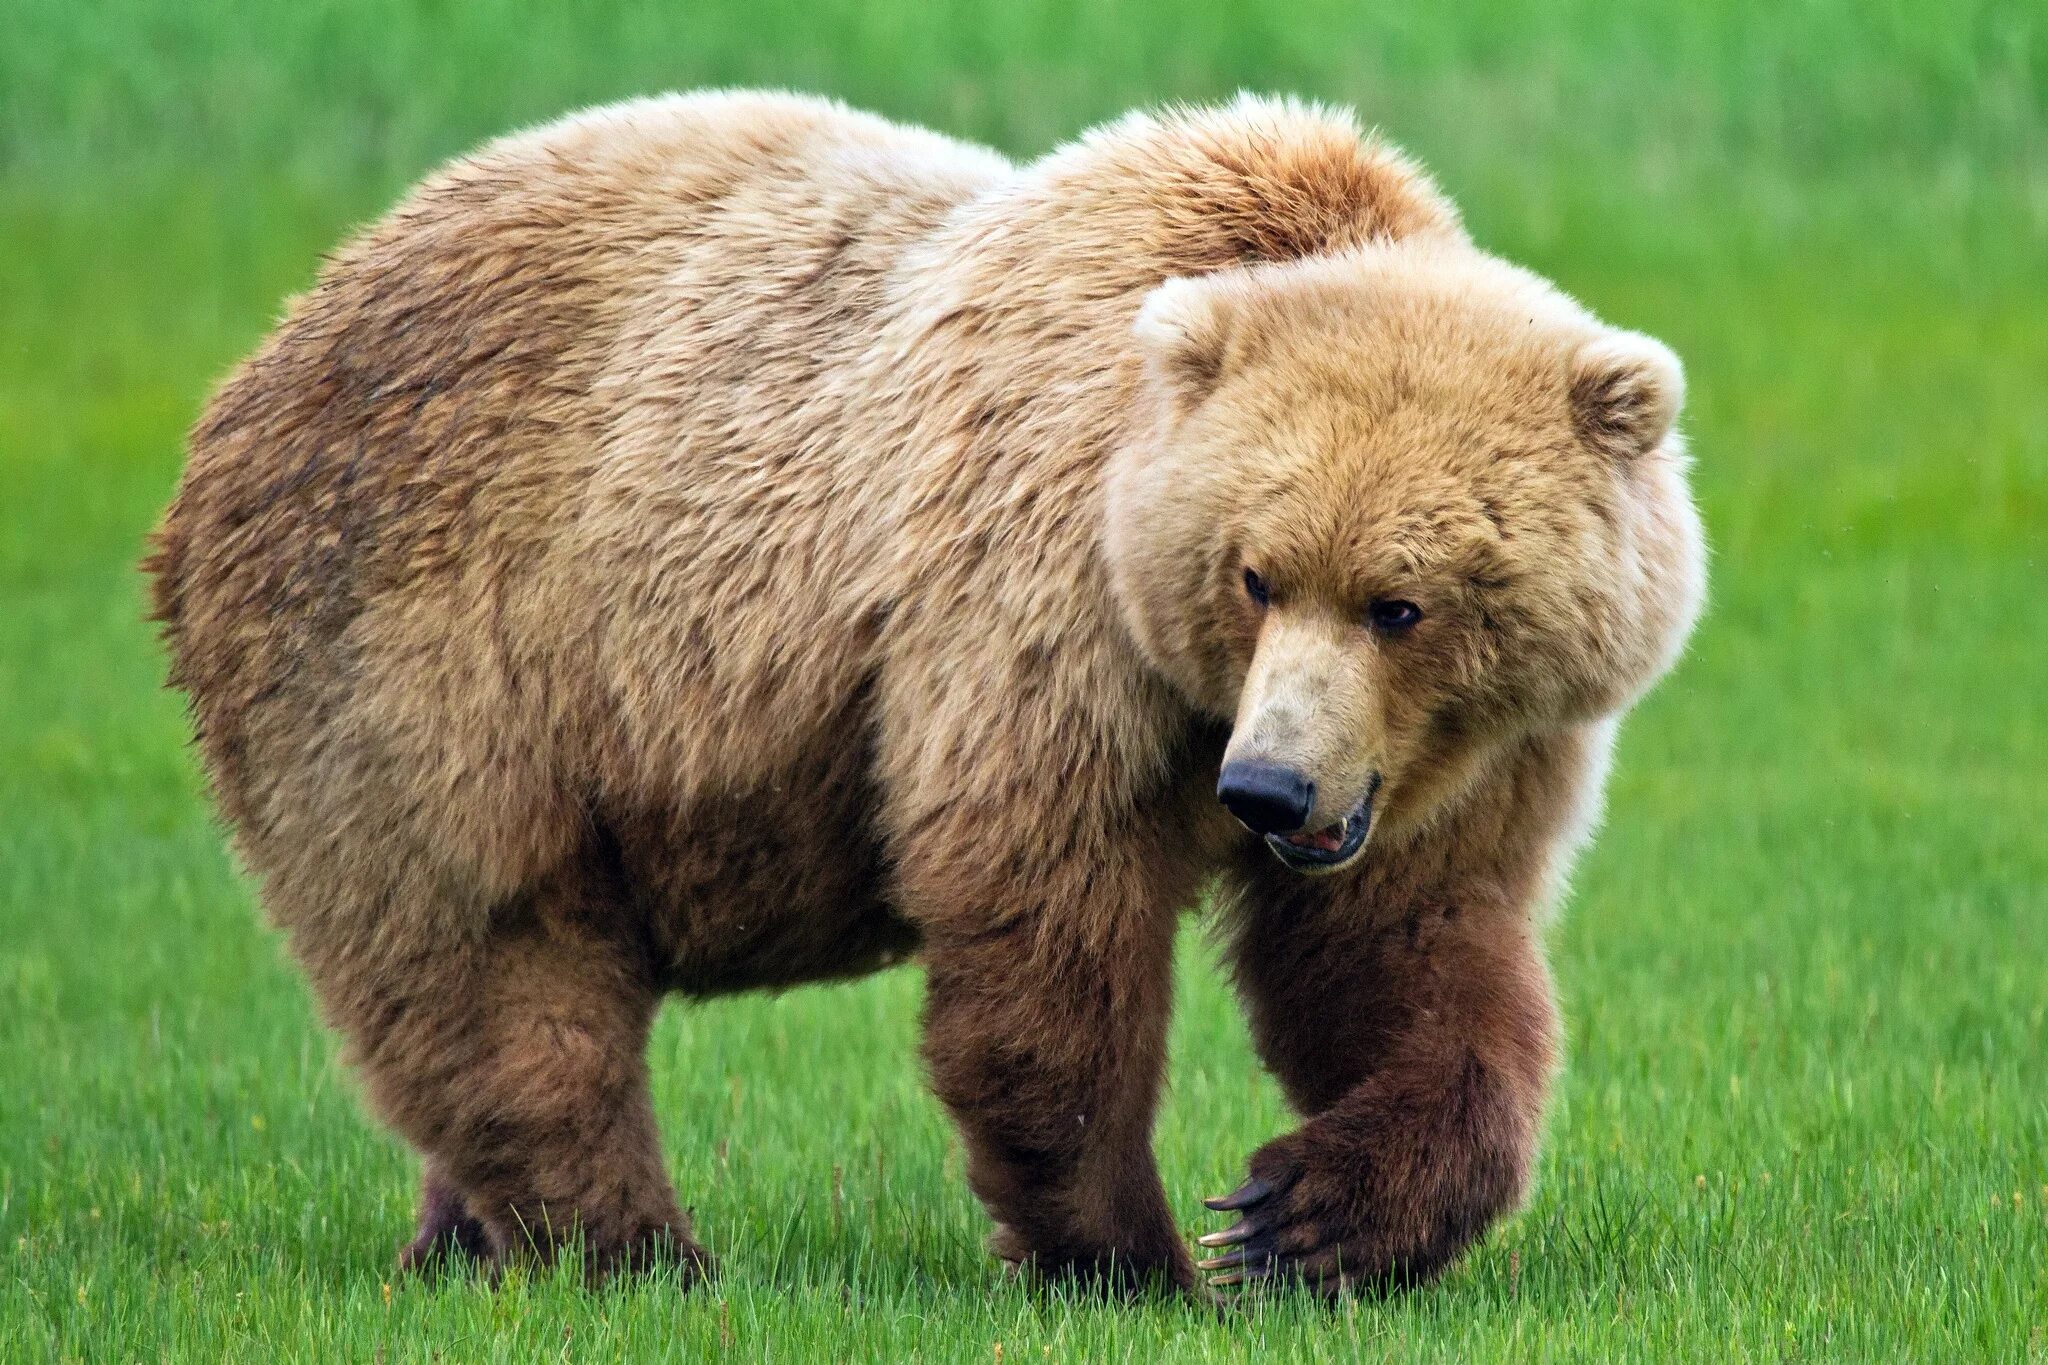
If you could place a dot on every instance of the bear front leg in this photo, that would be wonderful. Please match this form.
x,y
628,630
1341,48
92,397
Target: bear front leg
x,y
1047,997
1420,1044
1044,843
1049,1057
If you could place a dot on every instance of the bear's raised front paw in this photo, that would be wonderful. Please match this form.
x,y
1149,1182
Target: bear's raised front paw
x,y
1321,1223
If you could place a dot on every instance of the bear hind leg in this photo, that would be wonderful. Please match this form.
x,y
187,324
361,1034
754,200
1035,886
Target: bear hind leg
x,y
516,1064
448,1233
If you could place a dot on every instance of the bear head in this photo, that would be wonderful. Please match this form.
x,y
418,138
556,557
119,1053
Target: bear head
x,y
1392,510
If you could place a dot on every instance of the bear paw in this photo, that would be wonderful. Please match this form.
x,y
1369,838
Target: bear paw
x,y
1321,1221
447,1235
1116,1274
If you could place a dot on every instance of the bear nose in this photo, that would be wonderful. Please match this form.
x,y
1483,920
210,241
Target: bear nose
x,y
1268,798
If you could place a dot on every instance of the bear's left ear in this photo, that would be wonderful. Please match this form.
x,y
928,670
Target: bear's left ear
x,y
1185,330
1626,390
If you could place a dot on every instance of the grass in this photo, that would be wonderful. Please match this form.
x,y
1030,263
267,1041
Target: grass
x,y
1805,968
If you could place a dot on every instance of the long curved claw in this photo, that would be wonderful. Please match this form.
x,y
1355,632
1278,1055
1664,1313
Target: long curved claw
x,y
1245,1276
1242,1230
1243,1197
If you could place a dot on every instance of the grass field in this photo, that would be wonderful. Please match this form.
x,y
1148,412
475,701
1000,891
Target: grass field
x,y
1805,968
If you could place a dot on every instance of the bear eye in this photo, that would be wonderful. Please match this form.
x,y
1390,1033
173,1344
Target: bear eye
x,y
1393,616
1255,587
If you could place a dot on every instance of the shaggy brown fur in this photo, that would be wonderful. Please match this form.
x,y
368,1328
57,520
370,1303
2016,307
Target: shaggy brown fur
x,y
726,541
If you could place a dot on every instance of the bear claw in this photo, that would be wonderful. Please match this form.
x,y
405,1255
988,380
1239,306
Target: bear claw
x,y
1244,1196
1267,1242
1236,1232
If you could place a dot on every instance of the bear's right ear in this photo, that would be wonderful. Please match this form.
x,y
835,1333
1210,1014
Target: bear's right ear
x,y
1185,331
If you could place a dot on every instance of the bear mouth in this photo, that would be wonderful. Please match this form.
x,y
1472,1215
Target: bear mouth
x,y
1332,846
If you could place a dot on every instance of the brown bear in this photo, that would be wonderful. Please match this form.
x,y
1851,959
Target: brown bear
x,y
726,541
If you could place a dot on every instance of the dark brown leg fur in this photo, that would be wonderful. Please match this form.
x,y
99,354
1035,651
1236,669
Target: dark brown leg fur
x,y
1048,1044
1418,1040
447,1233
517,1067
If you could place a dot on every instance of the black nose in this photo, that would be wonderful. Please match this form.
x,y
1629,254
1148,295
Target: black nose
x,y
1269,799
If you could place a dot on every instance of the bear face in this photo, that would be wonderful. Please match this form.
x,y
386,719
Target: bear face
x,y
1396,507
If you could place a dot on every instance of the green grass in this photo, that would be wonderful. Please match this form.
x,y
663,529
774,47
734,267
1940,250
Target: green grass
x,y
1806,966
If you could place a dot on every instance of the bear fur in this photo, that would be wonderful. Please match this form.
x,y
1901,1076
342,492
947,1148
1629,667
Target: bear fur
x,y
725,541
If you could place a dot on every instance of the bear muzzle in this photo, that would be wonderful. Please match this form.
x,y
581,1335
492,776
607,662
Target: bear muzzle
x,y
1267,798
1276,801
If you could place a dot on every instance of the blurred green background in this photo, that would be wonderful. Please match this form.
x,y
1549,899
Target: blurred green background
x,y
1806,967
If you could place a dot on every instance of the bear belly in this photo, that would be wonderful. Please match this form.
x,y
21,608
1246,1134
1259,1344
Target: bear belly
x,y
773,887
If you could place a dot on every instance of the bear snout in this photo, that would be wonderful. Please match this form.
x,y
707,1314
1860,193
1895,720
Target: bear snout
x,y
1267,798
